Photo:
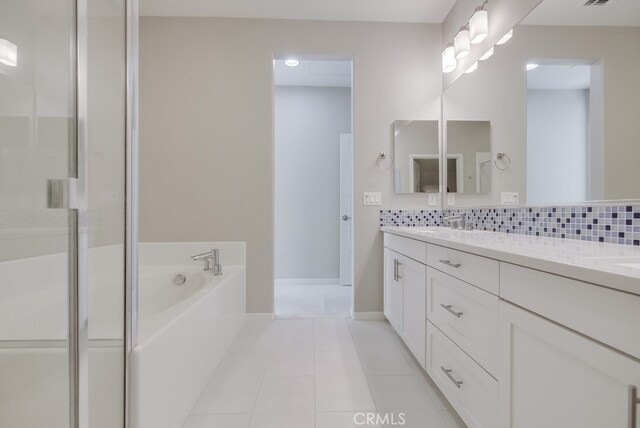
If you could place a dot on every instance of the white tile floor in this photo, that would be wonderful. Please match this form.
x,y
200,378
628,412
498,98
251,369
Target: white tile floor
x,y
312,301
318,373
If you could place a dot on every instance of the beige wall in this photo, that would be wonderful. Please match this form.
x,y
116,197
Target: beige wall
x,y
206,130
497,92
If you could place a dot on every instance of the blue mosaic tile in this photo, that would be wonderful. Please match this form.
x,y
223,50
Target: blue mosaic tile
x,y
619,224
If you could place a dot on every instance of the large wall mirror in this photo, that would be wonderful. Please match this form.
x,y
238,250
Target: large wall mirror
x,y
416,155
563,101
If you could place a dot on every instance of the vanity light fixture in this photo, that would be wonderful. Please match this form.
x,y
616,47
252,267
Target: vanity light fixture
x,y
487,54
292,62
505,38
532,66
449,62
8,53
472,68
462,43
479,25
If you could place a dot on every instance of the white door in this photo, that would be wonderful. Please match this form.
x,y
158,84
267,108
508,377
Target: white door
x,y
555,378
346,209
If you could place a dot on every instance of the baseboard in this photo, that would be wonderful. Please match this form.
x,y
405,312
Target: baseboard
x,y
368,316
307,281
255,316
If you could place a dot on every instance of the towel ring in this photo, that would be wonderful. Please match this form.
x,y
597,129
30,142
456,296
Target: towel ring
x,y
502,162
384,161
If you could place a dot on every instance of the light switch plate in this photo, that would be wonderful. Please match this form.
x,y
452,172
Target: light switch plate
x,y
451,199
433,199
372,198
510,198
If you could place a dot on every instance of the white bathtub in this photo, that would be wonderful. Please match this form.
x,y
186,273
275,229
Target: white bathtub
x,y
184,331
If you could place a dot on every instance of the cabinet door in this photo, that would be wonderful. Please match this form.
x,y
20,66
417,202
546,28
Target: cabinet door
x,y
414,320
554,378
393,294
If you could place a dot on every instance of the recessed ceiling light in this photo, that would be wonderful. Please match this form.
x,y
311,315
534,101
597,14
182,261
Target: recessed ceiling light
x,y
292,62
532,66
8,53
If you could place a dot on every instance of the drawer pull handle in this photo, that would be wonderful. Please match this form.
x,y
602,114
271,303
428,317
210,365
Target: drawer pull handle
x,y
448,372
634,401
395,269
398,270
448,307
448,263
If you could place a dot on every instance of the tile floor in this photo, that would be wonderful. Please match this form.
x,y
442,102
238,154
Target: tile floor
x,y
318,373
312,301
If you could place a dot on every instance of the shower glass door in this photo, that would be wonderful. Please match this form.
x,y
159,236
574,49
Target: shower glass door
x,y
37,137
62,129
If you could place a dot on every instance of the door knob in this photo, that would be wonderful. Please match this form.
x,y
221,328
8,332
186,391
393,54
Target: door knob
x,y
346,217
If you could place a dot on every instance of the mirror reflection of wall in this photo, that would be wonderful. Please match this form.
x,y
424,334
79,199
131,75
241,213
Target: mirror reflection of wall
x,y
563,99
468,156
416,156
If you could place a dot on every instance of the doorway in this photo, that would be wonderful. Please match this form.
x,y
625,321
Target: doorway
x,y
313,188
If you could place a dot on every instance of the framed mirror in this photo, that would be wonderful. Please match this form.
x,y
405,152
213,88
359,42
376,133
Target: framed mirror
x,y
563,101
416,154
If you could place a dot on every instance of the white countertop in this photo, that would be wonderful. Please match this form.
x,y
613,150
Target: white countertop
x,y
609,265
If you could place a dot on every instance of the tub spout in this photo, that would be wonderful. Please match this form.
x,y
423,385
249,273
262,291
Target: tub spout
x,y
211,261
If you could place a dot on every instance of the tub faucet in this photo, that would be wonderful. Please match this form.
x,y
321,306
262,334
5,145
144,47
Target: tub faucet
x,y
211,261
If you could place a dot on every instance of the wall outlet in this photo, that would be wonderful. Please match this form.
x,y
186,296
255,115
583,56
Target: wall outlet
x,y
451,199
433,199
372,198
510,198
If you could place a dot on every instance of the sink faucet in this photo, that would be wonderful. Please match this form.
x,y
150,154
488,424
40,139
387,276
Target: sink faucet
x,y
459,222
211,261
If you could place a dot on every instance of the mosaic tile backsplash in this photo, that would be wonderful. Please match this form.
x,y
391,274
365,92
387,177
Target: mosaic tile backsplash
x,y
618,224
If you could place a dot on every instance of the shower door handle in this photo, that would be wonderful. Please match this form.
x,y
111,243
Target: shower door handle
x,y
345,217
61,193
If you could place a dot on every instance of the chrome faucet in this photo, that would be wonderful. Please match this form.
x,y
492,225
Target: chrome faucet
x,y
211,261
459,222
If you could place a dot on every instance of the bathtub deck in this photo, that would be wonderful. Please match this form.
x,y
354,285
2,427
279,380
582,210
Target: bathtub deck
x,y
318,373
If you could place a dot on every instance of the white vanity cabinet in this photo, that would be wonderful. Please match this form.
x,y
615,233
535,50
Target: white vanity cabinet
x,y
555,378
404,291
393,290
516,345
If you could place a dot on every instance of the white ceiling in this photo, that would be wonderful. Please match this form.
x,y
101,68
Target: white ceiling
x,y
430,11
313,73
560,77
573,12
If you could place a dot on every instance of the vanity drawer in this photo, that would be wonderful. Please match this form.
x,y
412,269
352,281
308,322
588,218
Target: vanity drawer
x,y
475,396
466,314
608,316
416,250
479,271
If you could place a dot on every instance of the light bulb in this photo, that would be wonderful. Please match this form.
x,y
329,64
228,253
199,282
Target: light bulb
x,y
505,38
479,26
487,54
449,62
292,62
462,43
8,53
532,66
